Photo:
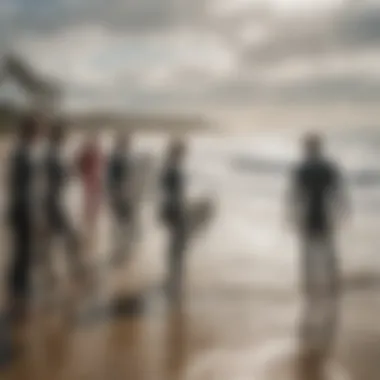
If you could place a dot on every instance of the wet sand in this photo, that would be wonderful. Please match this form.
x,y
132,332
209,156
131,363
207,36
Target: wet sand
x,y
218,332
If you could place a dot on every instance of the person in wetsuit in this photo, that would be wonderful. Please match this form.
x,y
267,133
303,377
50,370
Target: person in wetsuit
x,y
21,190
90,164
317,198
119,183
173,214
57,221
317,195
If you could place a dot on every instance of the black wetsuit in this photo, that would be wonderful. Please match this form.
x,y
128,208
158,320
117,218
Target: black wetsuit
x,y
173,190
317,183
119,174
21,182
57,220
55,182
173,215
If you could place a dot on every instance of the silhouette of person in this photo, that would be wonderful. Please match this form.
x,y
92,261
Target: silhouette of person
x,y
173,213
119,182
21,181
90,164
317,198
58,225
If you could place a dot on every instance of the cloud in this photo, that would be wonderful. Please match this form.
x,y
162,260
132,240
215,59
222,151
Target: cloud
x,y
360,25
184,51
70,55
96,58
322,56
350,28
132,16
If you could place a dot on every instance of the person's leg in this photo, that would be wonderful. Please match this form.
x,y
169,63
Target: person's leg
x,y
331,296
118,230
90,209
91,206
130,229
25,262
71,243
15,271
20,267
92,199
46,258
118,239
176,257
333,272
96,200
309,273
125,242
175,268
312,355
125,231
308,268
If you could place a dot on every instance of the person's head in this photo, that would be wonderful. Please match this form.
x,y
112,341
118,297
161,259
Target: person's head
x,y
28,129
313,145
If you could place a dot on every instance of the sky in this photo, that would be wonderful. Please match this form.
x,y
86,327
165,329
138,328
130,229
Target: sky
x,y
199,53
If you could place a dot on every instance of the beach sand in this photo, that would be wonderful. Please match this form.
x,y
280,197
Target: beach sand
x,y
240,313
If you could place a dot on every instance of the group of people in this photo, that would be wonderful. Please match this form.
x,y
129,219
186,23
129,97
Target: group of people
x,y
37,211
317,192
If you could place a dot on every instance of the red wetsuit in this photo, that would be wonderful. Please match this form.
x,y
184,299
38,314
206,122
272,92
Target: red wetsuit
x,y
90,164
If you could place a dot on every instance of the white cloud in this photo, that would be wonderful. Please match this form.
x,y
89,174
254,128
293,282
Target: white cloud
x,y
293,71
95,57
226,8
207,53
306,5
70,55
174,49
253,34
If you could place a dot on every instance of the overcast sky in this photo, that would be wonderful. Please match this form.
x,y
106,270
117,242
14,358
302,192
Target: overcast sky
x,y
160,53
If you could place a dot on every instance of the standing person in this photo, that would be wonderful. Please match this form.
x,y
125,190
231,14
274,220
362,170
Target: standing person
x,y
90,164
317,197
173,213
120,183
21,182
58,225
